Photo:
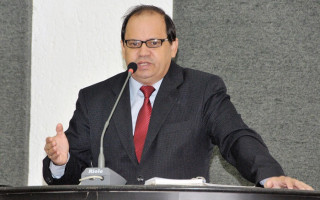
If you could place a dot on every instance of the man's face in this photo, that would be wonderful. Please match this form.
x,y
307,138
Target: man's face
x,y
153,63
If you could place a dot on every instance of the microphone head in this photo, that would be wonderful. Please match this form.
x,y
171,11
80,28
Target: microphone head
x,y
132,67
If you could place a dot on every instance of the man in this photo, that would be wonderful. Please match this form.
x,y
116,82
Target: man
x,y
191,112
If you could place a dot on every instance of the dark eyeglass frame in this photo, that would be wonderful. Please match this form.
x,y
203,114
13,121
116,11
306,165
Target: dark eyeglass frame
x,y
146,42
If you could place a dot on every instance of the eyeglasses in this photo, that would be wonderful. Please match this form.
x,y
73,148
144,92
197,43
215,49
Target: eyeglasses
x,y
152,43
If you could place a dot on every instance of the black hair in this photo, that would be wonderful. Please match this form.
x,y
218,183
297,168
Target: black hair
x,y
171,30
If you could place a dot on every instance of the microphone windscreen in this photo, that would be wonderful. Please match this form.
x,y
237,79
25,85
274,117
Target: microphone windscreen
x,y
132,66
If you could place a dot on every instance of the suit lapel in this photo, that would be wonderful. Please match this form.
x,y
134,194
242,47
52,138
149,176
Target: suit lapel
x,y
167,96
122,119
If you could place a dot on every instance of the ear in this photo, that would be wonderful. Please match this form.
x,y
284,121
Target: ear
x,y
123,50
174,48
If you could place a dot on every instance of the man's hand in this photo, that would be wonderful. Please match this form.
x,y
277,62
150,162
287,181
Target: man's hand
x,y
57,147
286,182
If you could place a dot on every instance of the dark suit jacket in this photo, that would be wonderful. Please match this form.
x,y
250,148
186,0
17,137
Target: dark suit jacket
x,y
191,113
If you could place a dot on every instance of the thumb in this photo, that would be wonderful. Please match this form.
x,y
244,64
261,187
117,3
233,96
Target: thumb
x,y
59,129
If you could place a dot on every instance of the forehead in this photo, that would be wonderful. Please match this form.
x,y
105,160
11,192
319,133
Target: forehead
x,y
146,25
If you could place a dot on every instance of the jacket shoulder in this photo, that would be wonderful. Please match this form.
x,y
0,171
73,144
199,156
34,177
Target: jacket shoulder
x,y
105,84
198,77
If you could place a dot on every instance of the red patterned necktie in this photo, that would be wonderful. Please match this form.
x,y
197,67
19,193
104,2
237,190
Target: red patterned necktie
x,y
143,120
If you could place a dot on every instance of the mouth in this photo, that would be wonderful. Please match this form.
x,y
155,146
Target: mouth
x,y
143,64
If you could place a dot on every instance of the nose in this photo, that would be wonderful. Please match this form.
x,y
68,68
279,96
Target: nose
x,y
144,50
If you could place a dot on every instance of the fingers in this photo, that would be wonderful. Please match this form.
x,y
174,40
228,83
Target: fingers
x,y
52,151
51,144
292,183
289,182
53,156
57,147
308,187
301,185
286,182
50,147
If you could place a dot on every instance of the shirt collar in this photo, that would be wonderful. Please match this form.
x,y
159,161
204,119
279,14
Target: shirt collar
x,y
134,87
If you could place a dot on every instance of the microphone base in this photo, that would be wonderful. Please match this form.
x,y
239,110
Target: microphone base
x,y
101,176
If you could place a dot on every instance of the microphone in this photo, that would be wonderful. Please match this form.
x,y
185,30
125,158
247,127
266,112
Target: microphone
x,y
132,67
103,175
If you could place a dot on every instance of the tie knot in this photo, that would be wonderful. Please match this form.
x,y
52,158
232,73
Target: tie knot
x,y
147,91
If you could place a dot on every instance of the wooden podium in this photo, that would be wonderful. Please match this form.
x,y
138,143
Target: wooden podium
x,y
133,192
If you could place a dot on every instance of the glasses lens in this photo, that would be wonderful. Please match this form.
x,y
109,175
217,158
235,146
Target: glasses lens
x,y
153,43
133,43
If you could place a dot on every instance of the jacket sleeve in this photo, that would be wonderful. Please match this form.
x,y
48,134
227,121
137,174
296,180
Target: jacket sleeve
x,y
239,145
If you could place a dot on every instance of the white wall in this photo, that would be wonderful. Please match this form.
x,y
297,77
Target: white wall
x,y
75,43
